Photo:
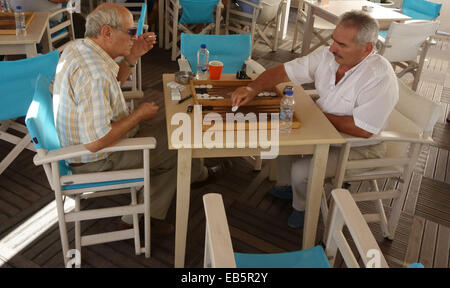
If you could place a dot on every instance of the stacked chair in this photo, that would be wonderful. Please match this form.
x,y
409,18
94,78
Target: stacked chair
x,y
257,17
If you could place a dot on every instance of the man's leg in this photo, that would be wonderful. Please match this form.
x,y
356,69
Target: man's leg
x,y
282,188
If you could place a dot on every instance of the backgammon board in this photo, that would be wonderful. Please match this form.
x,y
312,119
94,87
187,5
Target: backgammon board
x,y
215,96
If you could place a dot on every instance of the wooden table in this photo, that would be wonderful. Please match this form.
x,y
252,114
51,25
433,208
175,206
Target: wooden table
x,y
314,137
332,10
14,45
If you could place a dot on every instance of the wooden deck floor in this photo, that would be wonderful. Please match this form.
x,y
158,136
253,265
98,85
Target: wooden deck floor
x,y
257,220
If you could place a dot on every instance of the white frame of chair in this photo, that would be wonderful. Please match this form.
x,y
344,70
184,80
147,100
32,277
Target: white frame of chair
x,y
68,23
49,160
255,29
20,143
219,249
399,167
414,67
320,24
172,10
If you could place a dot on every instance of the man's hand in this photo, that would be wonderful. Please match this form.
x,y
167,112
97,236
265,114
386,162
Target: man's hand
x,y
147,111
142,45
242,96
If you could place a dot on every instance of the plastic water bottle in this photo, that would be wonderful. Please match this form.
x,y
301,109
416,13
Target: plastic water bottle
x,y
287,106
202,63
20,22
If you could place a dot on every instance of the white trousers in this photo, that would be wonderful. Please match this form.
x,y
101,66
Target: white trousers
x,y
294,170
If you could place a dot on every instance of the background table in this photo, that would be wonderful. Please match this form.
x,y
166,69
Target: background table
x,y
14,45
334,9
314,137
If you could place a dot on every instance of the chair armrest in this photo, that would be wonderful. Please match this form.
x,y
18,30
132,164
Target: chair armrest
x,y
346,208
254,67
392,136
73,151
184,65
218,246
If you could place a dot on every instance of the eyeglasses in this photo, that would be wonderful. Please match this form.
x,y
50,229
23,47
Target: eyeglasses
x,y
132,31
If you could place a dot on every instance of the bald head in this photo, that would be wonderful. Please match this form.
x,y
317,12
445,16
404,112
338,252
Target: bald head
x,y
105,14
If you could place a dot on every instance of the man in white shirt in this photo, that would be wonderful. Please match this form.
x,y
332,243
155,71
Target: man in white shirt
x,y
358,90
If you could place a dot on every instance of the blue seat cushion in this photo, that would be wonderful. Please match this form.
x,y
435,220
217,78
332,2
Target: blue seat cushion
x,y
99,184
309,258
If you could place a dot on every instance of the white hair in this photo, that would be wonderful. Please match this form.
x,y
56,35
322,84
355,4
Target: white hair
x,y
98,18
366,25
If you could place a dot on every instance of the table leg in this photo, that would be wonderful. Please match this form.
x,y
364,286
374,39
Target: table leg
x,y
309,27
183,195
314,194
30,50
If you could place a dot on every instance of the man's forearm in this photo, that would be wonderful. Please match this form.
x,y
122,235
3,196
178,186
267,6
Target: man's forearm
x,y
118,130
125,70
347,125
270,78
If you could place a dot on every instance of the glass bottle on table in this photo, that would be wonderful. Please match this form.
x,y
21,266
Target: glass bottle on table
x,y
287,107
20,22
202,63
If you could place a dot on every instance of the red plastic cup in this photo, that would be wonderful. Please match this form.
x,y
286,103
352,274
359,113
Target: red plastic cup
x,y
215,69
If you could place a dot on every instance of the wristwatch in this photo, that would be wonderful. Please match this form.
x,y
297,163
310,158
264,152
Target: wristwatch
x,y
128,63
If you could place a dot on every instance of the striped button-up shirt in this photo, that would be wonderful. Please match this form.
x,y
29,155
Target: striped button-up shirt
x,y
86,96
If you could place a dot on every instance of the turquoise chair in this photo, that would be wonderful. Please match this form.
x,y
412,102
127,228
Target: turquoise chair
x,y
193,12
418,10
17,79
233,50
219,249
52,156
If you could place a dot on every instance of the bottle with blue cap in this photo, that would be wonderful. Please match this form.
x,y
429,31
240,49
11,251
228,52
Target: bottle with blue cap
x,y
202,63
20,22
287,106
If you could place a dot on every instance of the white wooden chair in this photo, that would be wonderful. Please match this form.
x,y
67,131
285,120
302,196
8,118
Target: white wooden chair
x,y
17,80
219,249
193,13
404,42
410,127
322,29
60,32
52,157
256,17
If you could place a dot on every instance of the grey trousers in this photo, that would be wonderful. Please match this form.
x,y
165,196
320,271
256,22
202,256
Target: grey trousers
x,y
163,168
294,170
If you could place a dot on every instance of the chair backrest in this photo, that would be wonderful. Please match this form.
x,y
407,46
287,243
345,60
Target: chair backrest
x,y
136,8
40,121
142,17
404,40
268,11
412,114
197,11
232,50
17,80
219,249
60,29
421,9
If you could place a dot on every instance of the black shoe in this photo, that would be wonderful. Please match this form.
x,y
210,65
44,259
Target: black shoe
x,y
214,172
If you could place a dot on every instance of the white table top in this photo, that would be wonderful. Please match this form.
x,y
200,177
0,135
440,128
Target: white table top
x,y
337,8
34,31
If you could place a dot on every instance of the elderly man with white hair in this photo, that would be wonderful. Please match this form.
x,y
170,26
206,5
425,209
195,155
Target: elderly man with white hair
x,y
357,88
90,108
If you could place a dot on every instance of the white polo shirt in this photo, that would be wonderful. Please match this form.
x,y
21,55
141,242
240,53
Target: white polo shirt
x,y
368,91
